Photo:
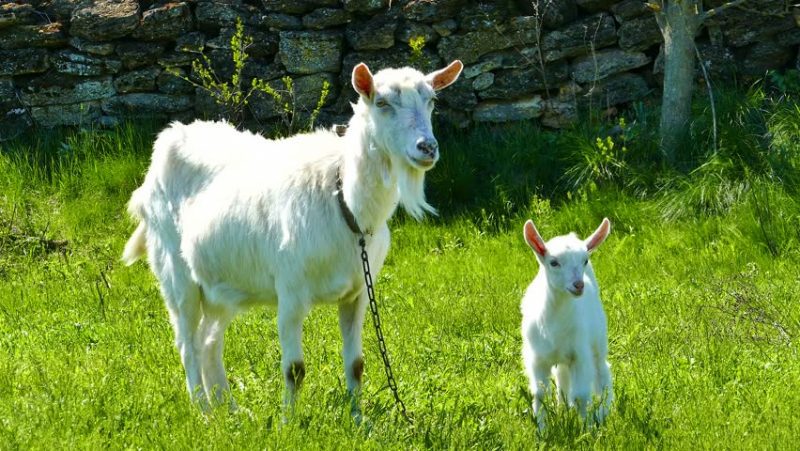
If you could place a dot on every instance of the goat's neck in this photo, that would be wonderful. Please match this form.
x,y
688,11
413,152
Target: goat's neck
x,y
368,182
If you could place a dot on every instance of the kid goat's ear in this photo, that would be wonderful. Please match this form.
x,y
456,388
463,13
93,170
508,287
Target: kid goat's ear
x,y
443,78
533,238
362,81
599,235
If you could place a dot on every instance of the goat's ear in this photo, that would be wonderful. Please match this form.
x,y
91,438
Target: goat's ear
x,y
599,235
533,238
362,81
443,78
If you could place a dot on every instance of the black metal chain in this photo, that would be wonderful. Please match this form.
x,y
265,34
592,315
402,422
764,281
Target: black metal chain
x,y
376,320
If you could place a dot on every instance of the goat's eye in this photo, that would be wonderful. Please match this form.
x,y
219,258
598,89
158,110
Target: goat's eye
x,y
586,262
554,263
381,103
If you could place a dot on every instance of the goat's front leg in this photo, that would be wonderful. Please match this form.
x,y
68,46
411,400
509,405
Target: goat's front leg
x,y
351,323
605,389
291,313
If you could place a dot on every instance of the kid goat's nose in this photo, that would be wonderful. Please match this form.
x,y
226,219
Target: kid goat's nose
x,y
578,285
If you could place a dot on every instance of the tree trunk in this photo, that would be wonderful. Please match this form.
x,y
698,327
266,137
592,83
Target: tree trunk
x,y
679,22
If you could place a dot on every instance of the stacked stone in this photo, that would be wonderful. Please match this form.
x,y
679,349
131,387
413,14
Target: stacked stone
x,y
72,62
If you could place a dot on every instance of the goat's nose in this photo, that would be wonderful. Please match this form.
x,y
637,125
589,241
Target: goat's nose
x,y
428,146
578,285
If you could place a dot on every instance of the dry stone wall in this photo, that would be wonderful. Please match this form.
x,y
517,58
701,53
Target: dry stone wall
x,y
73,62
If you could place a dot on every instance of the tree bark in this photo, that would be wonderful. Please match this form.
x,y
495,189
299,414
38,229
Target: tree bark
x,y
679,22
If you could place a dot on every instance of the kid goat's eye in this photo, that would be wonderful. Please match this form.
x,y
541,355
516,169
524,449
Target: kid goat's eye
x,y
554,263
380,103
585,262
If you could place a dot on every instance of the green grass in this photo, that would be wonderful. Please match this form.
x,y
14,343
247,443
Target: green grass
x,y
703,309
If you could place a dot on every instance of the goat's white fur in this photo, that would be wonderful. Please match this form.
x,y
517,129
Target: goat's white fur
x,y
229,220
564,330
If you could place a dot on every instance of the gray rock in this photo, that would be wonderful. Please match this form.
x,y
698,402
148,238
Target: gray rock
x,y
741,29
193,42
510,84
213,15
95,48
445,27
469,47
262,70
326,18
458,96
374,34
309,52
23,61
618,89
170,83
719,60
431,11
559,114
138,54
288,6
8,95
557,13
629,9
73,63
106,20
515,110
580,38
60,9
412,30
639,33
483,81
606,62
281,22
306,92
179,59
83,113
165,22
484,16
146,104
504,59
16,14
789,38
52,90
764,56
264,43
27,36
365,6
141,80
595,5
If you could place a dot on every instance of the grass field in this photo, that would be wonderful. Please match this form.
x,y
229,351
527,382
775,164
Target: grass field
x,y
699,277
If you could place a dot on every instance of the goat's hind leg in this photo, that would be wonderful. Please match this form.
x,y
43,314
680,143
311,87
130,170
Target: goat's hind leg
x,y
351,323
605,389
216,320
182,299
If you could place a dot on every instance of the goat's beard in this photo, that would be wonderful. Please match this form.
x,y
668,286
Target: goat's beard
x,y
411,187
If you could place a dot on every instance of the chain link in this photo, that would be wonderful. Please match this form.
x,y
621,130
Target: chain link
x,y
376,321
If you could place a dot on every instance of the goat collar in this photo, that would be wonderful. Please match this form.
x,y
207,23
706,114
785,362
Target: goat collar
x,y
349,218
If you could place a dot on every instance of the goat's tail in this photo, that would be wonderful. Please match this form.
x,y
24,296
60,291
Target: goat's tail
x,y
135,248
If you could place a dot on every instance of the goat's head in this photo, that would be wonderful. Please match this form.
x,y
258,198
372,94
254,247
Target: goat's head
x,y
399,103
565,258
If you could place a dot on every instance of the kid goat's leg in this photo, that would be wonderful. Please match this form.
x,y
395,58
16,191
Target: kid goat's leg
x,y
604,388
351,323
582,373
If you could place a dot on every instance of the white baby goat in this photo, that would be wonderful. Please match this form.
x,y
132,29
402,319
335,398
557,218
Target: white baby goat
x,y
563,324
229,220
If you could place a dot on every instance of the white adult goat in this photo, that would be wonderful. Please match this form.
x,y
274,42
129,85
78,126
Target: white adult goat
x,y
564,329
230,220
